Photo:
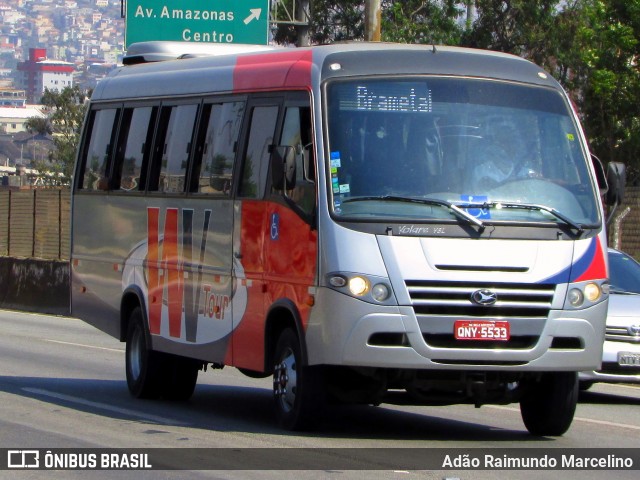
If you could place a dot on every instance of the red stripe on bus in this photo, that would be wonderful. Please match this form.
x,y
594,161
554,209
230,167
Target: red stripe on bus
x,y
598,267
273,70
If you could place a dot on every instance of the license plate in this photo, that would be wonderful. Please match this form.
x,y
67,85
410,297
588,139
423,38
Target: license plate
x,y
481,330
629,359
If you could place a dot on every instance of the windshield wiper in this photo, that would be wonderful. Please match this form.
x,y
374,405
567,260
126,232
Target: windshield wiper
x,y
528,206
453,208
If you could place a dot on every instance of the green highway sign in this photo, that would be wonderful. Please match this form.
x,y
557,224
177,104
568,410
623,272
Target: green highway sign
x,y
207,21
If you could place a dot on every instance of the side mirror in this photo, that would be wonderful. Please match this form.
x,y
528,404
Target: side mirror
x,y
309,173
283,167
616,178
601,178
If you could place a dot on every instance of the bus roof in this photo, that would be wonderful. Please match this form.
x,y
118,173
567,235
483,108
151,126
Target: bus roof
x,y
233,70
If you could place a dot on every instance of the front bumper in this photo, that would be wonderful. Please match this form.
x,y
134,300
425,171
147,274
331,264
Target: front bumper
x,y
341,329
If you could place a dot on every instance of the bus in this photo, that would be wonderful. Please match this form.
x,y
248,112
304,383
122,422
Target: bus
x,y
365,223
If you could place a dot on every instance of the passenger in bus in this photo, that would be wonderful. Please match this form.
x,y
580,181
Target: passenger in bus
x,y
383,153
422,158
502,157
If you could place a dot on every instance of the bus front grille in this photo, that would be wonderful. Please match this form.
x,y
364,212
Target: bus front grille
x,y
512,300
439,305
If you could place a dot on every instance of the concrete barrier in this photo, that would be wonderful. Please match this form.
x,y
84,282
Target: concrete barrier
x,y
35,285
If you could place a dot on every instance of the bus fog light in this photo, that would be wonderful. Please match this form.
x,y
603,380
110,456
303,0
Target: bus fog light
x,y
576,297
380,292
592,292
358,286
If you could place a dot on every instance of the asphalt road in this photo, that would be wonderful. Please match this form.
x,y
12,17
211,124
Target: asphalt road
x,y
62,386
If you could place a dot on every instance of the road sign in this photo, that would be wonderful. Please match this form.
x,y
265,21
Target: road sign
x,y
207,21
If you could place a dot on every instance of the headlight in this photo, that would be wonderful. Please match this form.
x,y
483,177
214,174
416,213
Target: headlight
x,y
372,289
576,297
358,286
380,292
592,292
586,294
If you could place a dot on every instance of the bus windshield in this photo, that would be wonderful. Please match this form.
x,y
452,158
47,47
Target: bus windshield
x,y
436,149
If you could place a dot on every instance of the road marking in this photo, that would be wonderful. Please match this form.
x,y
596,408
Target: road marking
x,y
617,385
104,406
119,350
581,419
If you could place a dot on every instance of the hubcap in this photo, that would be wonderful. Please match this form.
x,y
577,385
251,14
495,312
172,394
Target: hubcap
x,y
284,381
135,354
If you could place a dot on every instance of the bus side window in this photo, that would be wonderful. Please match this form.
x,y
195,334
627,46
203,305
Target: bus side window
x,y
172,148
256,161
296,132
136,131
98,151
215,148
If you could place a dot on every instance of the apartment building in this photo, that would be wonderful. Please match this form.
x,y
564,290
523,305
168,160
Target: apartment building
x,y
39,73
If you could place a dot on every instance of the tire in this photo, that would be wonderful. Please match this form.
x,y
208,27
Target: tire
x,y
143,366
297,389
584,385
548,406
181,376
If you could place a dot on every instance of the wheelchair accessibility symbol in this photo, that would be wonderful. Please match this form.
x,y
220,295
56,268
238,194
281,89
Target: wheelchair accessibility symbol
x,y
478,212
275,226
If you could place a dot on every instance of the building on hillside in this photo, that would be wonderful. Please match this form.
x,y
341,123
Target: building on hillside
x,y
39,73
12,119
11,97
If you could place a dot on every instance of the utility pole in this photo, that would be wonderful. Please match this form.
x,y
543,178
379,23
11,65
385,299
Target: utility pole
x,y
372,20
296,14
469,20
302,27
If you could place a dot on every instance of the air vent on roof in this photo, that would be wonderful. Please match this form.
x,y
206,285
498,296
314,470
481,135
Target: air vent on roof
x,y
144,52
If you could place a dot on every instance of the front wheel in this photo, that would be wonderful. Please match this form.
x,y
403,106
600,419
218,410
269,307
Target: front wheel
x,y
297,389
549,404
143,365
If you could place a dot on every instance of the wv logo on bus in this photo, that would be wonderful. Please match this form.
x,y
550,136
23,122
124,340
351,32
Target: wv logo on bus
x,y
165,272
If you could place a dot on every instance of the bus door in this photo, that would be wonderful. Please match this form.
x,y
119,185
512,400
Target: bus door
x,y
250,230
275,242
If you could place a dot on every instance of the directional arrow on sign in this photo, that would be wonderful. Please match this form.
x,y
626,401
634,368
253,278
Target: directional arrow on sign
x,y
255,15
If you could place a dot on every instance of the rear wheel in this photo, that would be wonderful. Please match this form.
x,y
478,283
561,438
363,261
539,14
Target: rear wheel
x,y
585,385
549,404
181,375
297,389
143,365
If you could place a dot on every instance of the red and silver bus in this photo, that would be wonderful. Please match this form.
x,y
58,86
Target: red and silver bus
x,y
365,223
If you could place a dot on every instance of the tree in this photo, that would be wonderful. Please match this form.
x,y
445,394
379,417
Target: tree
x,y
38,125
337,21
609,80
405,21
418,21
64,112
520,27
